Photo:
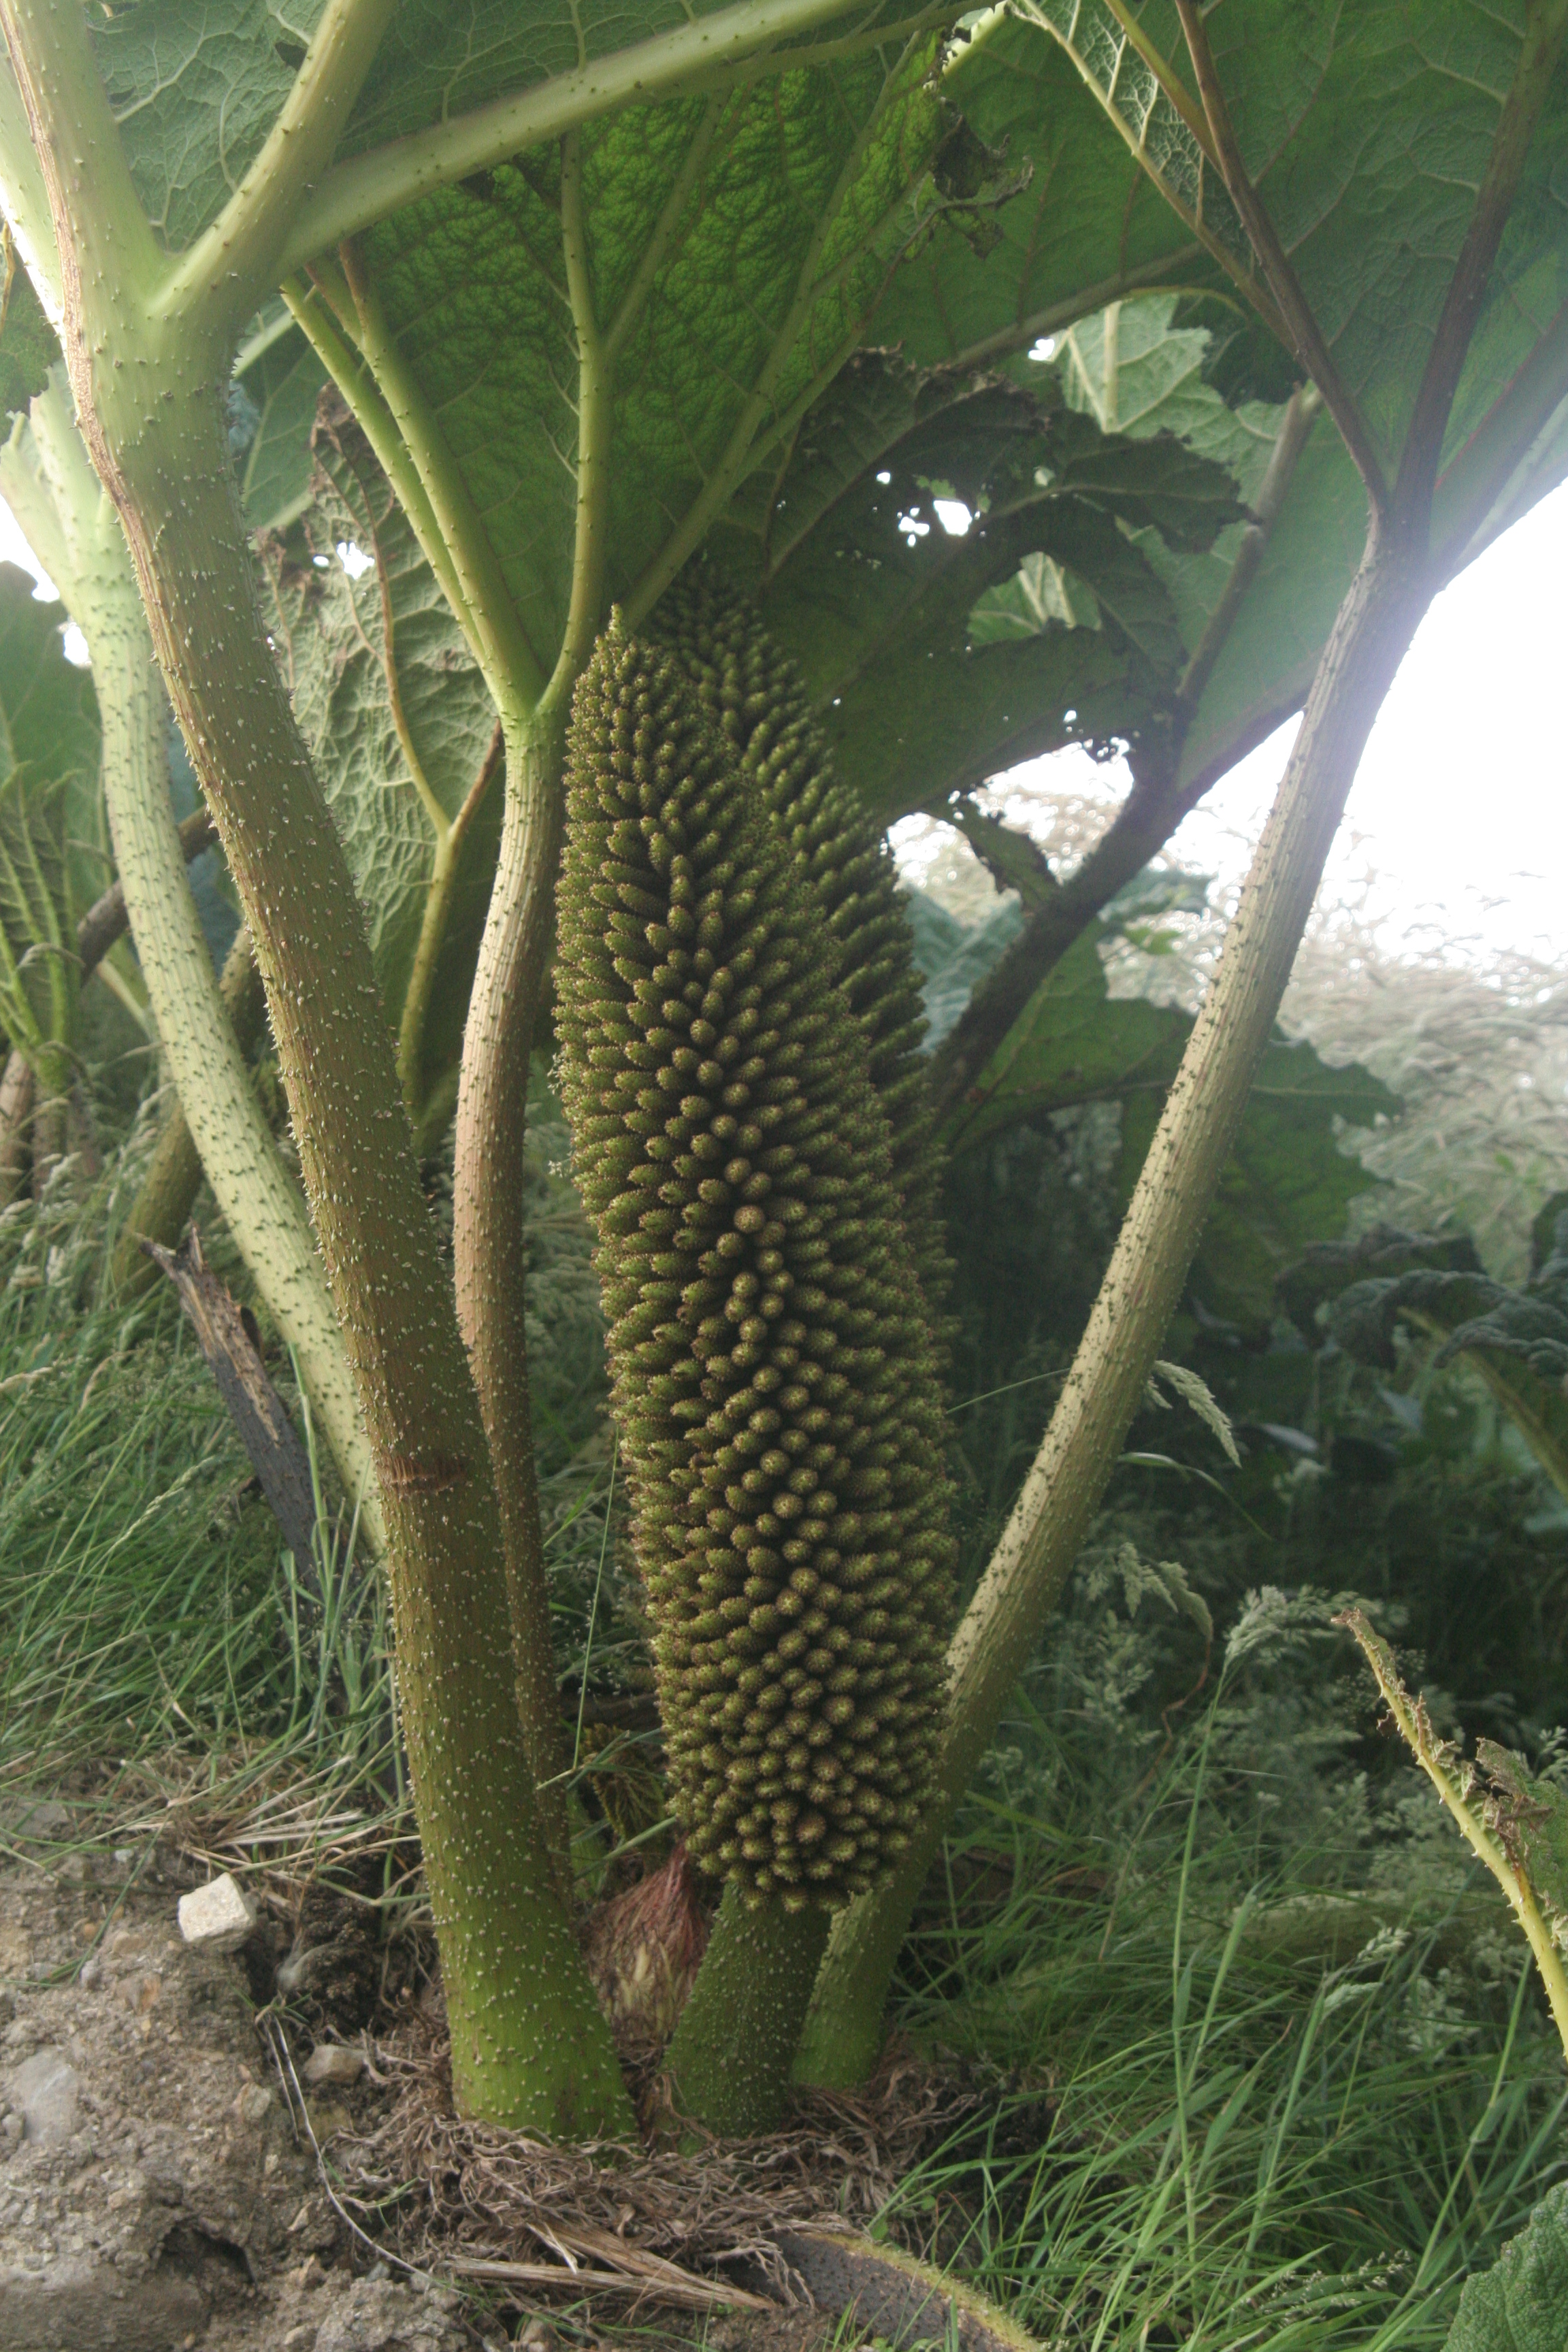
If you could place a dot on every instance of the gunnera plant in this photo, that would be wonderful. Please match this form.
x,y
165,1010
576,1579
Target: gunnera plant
x,y
774,1373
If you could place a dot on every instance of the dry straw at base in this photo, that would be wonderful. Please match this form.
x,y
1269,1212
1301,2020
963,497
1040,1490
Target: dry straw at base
x,y
773,1370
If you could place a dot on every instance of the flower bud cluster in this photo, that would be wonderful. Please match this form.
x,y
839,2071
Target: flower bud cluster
x,y
774,1376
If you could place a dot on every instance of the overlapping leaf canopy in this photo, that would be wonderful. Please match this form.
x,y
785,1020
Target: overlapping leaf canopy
x,y
878,603
771,222
787,212
839,282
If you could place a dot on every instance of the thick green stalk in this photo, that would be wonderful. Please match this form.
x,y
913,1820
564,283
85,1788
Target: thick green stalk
x,y
323,323
729,2059
488,1248
81,540
422,975
347,323
492,1096
528,2046
168,1191
482,601
1142,1286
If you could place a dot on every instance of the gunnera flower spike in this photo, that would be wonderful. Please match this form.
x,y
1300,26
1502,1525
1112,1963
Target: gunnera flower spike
x,y
756,696
774,1377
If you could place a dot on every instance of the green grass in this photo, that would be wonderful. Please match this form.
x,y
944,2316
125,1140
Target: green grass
x,y
1192,2141
1199,2144
147,1607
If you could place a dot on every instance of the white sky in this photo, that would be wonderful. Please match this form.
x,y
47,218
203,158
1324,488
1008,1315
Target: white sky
x,y
1461,805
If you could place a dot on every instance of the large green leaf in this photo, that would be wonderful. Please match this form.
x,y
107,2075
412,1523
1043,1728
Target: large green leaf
x,y
776,214
753,228
783,242
1090,224
195,90
1087,224
1138,371
1520,2305
1367,132
1074,1043
196,84
919,686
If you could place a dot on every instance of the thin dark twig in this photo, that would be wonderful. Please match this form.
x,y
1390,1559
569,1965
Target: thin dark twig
x,y
1294,306
106,918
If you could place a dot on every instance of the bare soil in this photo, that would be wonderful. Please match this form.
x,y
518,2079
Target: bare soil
x,y
156,2193
152,2194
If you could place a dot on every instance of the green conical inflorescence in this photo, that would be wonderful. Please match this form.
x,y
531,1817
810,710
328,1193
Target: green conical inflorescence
x,y
774,1376
755,693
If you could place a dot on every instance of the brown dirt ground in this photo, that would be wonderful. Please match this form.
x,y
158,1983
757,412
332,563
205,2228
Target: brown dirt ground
x,y
168,2200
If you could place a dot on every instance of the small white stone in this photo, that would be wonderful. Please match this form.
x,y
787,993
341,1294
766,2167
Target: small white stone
x,y
334,2061
219,1917
88,1975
